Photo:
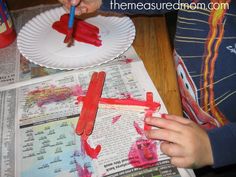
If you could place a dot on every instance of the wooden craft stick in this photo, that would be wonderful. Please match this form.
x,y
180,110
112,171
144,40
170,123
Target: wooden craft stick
x,y
94,103
83,115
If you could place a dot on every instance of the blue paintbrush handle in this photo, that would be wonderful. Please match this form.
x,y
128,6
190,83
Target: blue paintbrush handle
x,y
72,16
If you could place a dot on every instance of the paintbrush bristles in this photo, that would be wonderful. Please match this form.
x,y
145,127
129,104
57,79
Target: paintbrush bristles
x,y
69,36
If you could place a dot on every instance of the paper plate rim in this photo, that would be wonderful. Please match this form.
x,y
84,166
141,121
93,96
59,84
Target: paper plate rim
x,y
129,43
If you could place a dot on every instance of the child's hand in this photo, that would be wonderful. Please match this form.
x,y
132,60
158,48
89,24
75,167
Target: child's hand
x,y
83,6
185,142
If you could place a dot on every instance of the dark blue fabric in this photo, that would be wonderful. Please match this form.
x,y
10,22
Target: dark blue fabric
x,y
223,141
191,46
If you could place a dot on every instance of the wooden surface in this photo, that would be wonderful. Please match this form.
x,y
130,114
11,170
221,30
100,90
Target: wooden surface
x,y
152,45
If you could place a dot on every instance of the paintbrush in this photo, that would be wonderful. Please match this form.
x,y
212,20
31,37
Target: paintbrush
x,y
69,36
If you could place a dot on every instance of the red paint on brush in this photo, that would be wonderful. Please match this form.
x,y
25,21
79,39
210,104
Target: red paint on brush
x,y
82,31
69,36
91,152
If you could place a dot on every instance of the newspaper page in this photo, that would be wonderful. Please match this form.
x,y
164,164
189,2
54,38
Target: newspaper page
x,y
47,114
7,133
8,65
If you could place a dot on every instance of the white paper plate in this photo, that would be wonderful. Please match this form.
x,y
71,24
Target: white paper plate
x,y
41,44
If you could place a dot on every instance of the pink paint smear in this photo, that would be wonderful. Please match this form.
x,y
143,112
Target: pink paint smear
x,y
128,60
115,119
82,171
138,129
143,153
52,94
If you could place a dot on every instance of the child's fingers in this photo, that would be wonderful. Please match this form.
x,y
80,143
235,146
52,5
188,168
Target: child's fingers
x,y
176,118
84,10
165,123
75,2
66,8
172,149
182,162
163,134
78,11
81,10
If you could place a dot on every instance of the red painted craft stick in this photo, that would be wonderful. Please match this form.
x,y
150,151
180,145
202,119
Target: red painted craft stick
x,y
90,106
150,105
94,103
83,115
81,31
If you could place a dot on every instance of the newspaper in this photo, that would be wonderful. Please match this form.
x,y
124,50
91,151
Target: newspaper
x,y
45,142
38,118
8,65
